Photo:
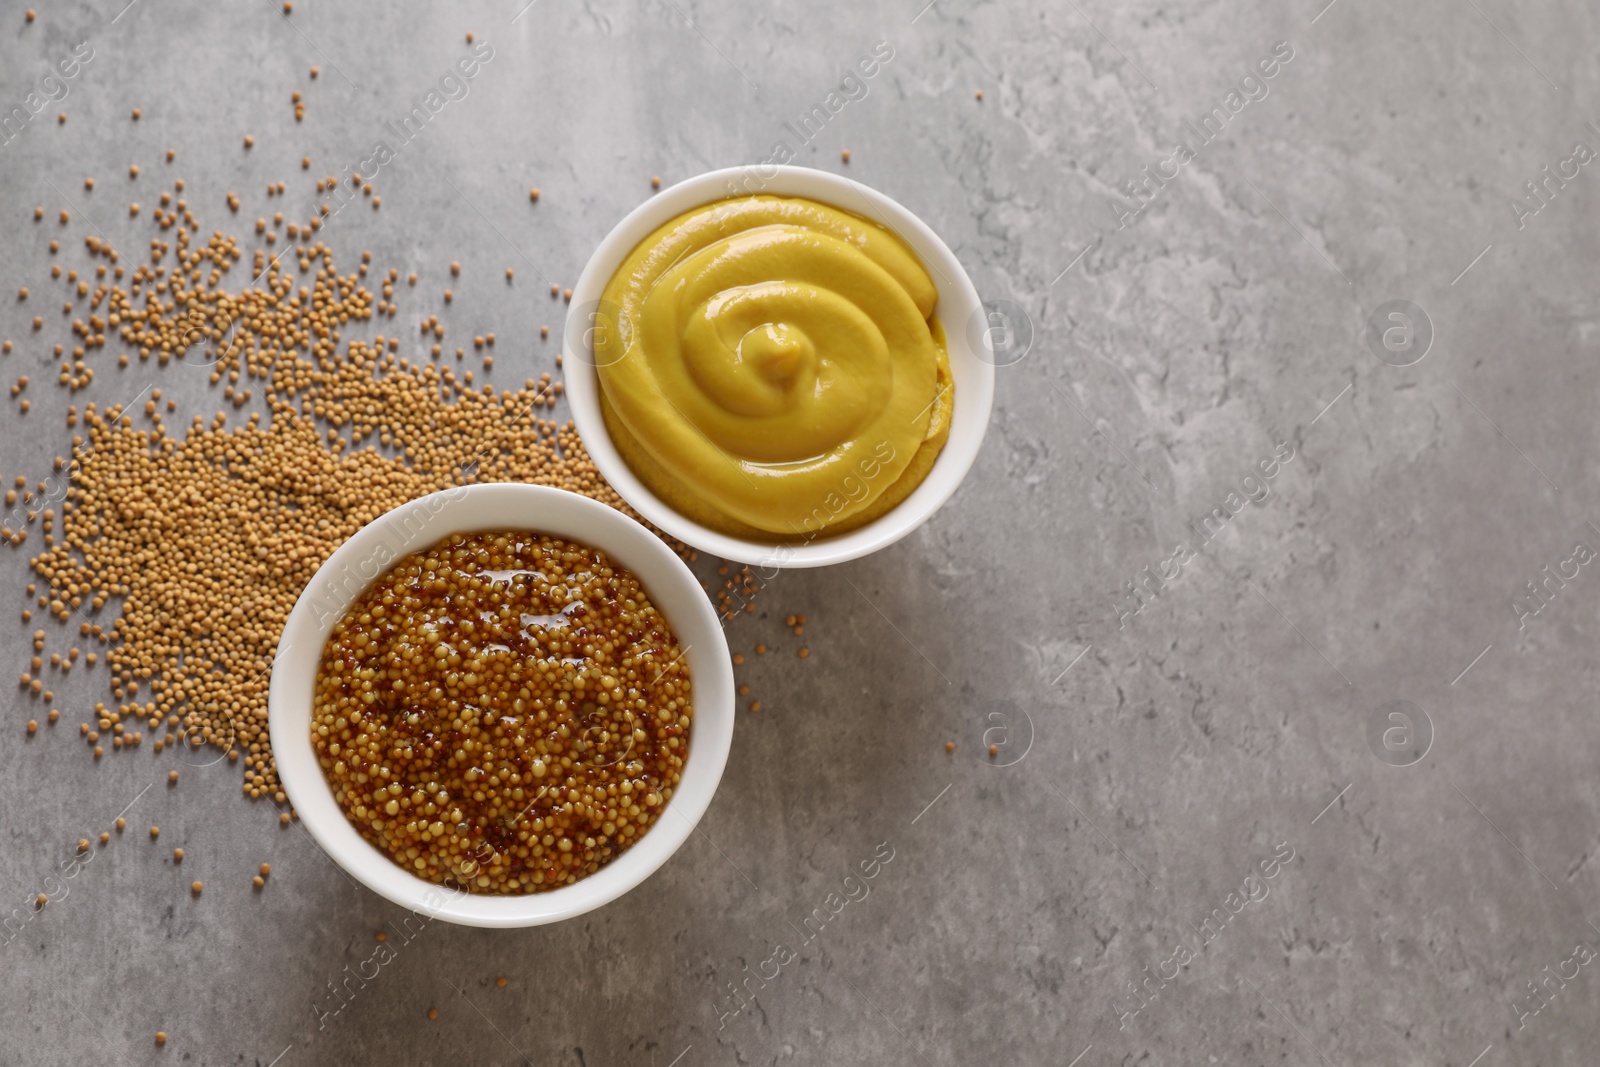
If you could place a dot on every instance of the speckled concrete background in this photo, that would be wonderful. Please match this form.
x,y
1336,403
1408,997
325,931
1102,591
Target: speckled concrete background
x,y
1048,905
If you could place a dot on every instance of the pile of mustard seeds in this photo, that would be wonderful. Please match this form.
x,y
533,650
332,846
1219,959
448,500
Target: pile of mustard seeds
x,y
206,534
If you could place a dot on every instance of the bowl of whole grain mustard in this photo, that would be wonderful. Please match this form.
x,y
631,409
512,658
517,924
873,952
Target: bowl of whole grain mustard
x,y
502,705
778,365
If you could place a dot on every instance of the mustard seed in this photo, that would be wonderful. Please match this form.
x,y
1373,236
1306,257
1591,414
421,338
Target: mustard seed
x,y
136,114
845,155
172,777
177,855
501,981
433,1013
533,194
949,746
274,332
155,831
258,881
196,887
40,901
161,1037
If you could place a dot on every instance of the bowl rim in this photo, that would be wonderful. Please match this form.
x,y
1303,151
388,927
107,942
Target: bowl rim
x,y
344,576
974,376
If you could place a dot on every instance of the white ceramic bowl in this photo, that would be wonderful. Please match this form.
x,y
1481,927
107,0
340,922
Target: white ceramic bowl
x,y
419,525
957,310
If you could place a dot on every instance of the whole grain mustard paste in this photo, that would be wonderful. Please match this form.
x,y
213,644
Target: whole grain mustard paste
x,y
771,366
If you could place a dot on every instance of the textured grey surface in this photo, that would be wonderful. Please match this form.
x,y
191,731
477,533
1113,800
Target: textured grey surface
x,y
1144,770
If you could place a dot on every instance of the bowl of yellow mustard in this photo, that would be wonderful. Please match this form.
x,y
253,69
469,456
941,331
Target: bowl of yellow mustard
x,y
773,364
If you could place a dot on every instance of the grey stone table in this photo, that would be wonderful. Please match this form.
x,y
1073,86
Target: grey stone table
x,y
1351,245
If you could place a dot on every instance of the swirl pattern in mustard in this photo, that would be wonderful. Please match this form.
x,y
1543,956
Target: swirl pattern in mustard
x,y
774,367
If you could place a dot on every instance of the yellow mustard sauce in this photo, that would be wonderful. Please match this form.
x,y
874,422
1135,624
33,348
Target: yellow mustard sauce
x,y
773,367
